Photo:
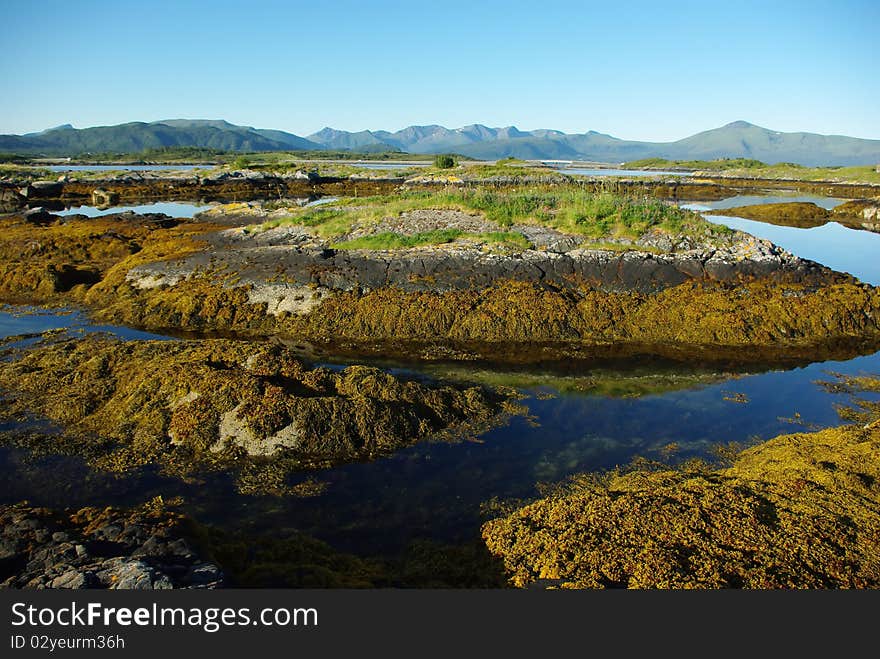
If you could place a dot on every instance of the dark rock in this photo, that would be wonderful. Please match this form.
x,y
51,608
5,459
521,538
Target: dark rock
x,y
39,216
132,549
43,190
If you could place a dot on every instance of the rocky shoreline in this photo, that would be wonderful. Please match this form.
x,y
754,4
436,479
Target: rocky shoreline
x,y
241,185
146,548
560,295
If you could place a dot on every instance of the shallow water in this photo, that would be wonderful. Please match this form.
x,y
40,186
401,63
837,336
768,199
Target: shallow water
x,y
749,200
435,491
832,244
171,208
118,168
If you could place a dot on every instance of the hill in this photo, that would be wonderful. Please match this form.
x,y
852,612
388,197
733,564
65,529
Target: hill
x,y
739,139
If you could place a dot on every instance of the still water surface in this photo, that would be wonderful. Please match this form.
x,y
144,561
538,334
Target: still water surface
x,y
126,168
435,490
171,208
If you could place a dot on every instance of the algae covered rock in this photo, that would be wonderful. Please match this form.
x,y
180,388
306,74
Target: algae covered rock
x,y
799,511
790,214
216,403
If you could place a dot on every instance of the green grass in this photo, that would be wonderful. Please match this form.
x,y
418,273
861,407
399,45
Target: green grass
x,y
570,209
11,169
720,164
747,168
389,240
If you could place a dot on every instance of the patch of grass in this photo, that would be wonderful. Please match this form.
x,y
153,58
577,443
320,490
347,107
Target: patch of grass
x,y
24,171
569,209
719,164
390,240
749,168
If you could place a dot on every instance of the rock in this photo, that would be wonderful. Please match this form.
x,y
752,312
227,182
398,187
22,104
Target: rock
x,y
39,216
126,574
302,175
131,549
101,197
10,199
72,579
204,575
43,190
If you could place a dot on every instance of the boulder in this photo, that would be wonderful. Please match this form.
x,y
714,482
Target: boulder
x,y
101,197
43,190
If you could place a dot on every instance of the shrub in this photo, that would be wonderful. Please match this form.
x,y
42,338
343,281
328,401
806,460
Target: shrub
x,y
444,162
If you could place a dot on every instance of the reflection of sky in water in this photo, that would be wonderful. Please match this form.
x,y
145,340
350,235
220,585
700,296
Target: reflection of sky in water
x,y
434,490
31,320
171,208
127,168
834,245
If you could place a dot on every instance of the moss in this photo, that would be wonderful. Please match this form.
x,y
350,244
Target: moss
x,y
221,404
799,511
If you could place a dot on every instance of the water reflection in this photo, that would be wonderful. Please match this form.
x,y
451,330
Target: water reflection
x,y
171,208
832,244
435,490
127,168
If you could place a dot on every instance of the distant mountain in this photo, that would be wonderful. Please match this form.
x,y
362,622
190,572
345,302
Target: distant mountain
x,y
739,139
137,136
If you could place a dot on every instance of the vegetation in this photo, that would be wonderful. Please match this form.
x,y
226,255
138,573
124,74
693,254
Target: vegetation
x,y
799,511
390,240
571,210
746,168
720,164
215,404
444,162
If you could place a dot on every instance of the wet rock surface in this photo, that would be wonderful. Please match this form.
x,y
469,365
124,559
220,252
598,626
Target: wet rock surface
x,y
252,408
798,511
141,549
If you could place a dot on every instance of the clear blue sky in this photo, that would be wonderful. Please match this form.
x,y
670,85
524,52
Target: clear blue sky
x,y
637,70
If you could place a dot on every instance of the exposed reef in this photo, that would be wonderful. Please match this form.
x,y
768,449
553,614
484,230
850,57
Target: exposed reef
x,y
456,285
799,511
237,185
46,258
220,404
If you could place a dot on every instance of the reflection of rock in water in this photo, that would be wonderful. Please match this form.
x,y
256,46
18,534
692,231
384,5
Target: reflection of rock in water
x,y
217,403
799,511
857,214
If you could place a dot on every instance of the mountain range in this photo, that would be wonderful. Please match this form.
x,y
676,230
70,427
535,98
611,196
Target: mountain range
x,y
739,139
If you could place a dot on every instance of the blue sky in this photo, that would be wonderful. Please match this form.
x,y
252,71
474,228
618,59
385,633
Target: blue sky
x,y
636,70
